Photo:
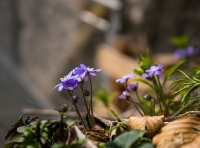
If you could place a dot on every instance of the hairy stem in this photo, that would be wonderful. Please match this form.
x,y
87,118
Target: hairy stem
x,y
91,96
77,110
85,101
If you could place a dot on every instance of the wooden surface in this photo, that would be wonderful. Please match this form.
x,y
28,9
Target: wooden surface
x,y
116,64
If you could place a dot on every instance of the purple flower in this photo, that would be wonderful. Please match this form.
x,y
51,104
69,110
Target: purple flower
x,y
69,83
60,87
188,52
180,54
80,72
153,71
124,95
83,71
72,79
132,87
93,72
124,79
191,51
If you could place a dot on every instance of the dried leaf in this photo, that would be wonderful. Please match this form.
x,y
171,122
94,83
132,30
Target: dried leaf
x,y
150,124
184,132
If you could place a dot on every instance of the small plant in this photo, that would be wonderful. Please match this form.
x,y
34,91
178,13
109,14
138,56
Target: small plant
x,y
36,133
169,93
74,85
164,94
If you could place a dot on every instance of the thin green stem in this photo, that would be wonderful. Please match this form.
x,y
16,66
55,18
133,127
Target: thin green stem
x,y
162,97
157,92
115,114
140,101
137,106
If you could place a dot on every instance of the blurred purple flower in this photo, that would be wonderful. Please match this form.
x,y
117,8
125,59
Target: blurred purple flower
x,y
132,87
180,54
188,52
191,51
153,71
124,79
124,95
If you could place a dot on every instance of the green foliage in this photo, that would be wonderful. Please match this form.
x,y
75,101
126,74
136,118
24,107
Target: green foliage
x,y
180,41
144,81
104,97
74,144
131,139
184,88
172,70
160,99
144,63
197,72
163,98
39,134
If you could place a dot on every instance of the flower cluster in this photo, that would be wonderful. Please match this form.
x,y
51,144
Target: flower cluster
x,y
185,53
128,87
155,70
74,77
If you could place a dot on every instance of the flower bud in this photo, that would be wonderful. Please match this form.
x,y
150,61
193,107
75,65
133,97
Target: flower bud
x,y
147,97
75,98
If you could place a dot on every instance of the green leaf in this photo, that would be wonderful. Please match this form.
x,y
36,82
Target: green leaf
x,y
146,82
146,145
185,97
196,79
125,140
184,108
169,72
186,75
112,145
197,71
138,71
180,41
145,62
103,96
181,90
